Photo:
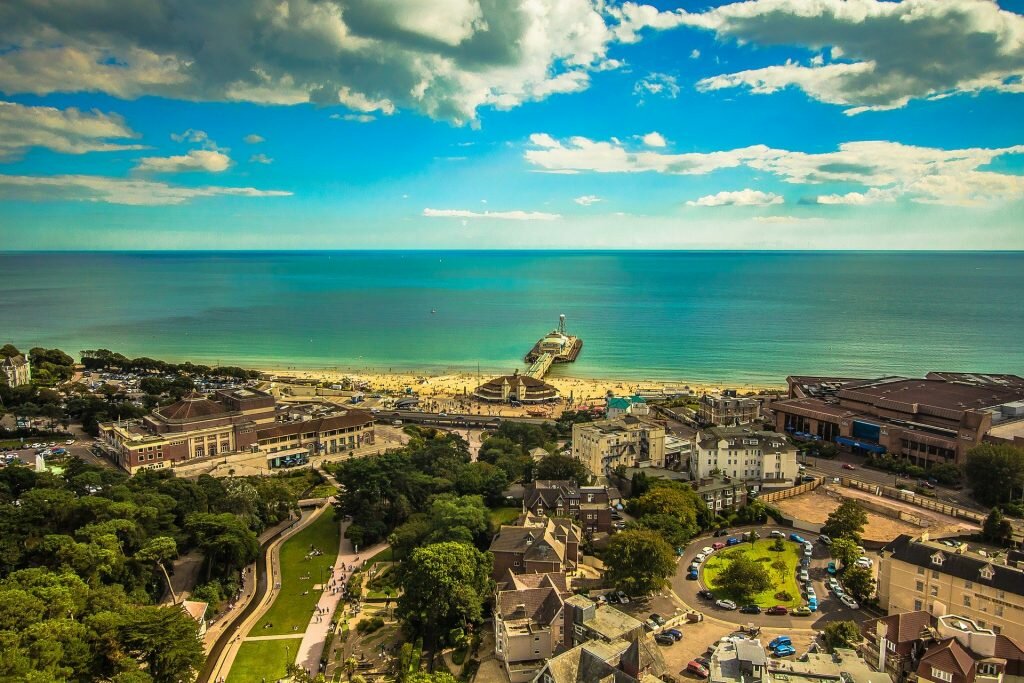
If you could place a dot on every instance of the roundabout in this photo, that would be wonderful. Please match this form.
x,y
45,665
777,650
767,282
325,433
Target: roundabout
x,y
714,563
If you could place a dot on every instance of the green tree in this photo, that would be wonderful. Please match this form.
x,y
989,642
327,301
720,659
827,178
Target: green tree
x,y
995,472
859,583
844,550
225,539
670,527
841,634
445,586
779,545
846,521
638,561
558,466
436,677
676,501
166,639
158,552
743,578
996,529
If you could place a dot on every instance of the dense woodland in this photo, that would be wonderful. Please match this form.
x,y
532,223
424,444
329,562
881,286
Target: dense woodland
x,y
83,558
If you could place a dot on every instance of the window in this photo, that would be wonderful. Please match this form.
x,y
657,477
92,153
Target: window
x,y
920,586
968,584
998,610
988,669
934,591
935,574
920,570
940,675
918,605
967,601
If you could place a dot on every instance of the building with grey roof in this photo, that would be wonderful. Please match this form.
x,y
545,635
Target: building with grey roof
x,y
745,454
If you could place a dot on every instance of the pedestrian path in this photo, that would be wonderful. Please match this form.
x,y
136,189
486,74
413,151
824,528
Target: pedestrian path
x,y
312,647
283,636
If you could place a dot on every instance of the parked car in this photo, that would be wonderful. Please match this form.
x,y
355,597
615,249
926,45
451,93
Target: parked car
x,y
694,667
807,477
718,545
803,576
777,609
700,558
801,611
831,567
623,598
812,604
826,539
658,619
849,602
674,632
725,604
805,562
809,589
707,550
832,583
784,651
797,537
779,640
732,540
705,594
692,575
664,639
750,609
864,562
776,534
703,661
721,532
848,466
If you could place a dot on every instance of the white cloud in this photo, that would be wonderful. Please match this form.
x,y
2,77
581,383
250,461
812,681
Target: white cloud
x,y
195,160
109,190
872,196
786,219
894,51
587,199
260,159
654,139
254,139
658,84
68,131
444,58
745,197
192,135
501,215
921,174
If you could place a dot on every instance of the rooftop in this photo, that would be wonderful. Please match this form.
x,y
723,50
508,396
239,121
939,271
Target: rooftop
x,y
960,562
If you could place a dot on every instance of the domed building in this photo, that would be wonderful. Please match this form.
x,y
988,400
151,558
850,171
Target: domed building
x,y
516,387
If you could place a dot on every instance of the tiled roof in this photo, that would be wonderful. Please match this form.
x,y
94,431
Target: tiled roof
x,y
350,418
948,656
904,627
191,407
961,565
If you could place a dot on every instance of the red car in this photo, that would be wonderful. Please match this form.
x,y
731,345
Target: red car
x,y
848,466
695,667
718,546
777,609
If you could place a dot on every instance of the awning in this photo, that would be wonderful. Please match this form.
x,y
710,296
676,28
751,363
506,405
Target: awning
x,y
853,443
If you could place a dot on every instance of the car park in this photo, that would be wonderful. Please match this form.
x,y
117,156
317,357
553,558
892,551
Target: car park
x,y
705,594
750,609
777,609
784,651
725,604
694,667
674,632
664,639
849,602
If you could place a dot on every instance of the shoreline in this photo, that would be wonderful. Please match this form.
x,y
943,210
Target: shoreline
x,y
453,384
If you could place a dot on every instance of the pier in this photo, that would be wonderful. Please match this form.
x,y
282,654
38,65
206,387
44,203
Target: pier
x,y
540,367
557,346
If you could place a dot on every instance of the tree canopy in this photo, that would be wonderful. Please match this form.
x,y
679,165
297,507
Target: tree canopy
x,y
558,466
638,561
841,634
844,550
995,472
858,582
846,521
743,577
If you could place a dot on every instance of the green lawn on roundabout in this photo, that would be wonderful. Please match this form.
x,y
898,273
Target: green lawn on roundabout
x,y
783,581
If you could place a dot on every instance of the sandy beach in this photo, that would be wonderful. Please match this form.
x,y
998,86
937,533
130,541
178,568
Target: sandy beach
x,y
454,390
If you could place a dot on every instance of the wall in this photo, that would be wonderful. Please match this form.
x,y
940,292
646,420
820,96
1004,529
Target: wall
x,y
789,493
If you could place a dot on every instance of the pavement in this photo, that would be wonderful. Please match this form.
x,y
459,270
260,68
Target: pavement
x,y
308,654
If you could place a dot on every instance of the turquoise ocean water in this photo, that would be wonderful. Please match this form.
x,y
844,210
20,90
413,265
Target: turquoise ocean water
x,y
731,317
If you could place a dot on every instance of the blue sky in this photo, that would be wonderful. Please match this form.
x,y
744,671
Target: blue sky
x,y
789,124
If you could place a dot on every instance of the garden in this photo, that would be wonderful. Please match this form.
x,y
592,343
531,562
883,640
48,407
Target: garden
x,y
779,560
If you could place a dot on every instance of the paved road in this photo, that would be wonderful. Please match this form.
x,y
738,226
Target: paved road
x,y
829,609
454,419
834,468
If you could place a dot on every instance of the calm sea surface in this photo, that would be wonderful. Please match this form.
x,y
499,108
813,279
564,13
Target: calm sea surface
x,y
731,317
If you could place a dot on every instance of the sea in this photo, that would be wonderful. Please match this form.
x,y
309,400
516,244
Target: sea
x,y
732,318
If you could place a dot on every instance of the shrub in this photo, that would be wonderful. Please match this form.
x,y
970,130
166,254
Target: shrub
x,y
370,625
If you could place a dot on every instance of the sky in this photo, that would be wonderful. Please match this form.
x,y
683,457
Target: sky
x,y
509,124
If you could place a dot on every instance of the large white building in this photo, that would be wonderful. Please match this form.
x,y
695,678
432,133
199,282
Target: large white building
x,y
627,440
743,453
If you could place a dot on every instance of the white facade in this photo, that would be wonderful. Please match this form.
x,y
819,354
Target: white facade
x,y
742,454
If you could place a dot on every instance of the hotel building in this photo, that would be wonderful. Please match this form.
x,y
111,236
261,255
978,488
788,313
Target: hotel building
x,y
627,440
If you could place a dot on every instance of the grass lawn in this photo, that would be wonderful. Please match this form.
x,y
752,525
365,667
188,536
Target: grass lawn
x,y
262,659
291,607
760,552
505,515
385,555
384,583
323,491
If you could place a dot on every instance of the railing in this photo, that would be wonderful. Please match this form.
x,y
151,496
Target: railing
x,y
789,493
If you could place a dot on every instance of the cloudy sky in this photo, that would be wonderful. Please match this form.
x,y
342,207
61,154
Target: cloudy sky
x,y
792,124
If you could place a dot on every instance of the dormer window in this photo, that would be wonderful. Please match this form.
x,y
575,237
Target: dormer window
x,y
938,559
987,572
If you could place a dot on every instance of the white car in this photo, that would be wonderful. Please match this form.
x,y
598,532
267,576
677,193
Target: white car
x,y
725,604
700,558
849,602
864,562
803,576
832,583
707,550
777,534
69,442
